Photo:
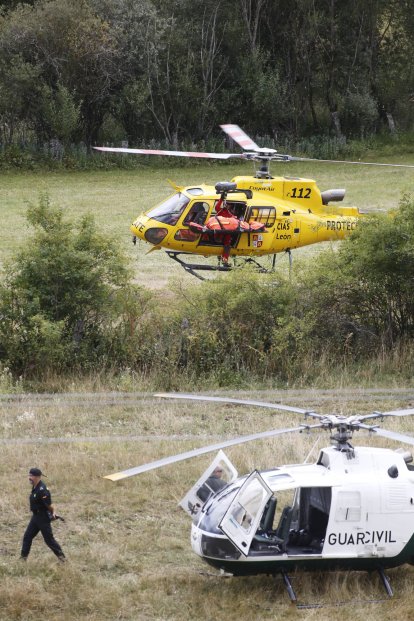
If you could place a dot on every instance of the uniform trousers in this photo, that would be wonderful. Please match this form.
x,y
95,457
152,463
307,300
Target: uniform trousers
x,y
40,522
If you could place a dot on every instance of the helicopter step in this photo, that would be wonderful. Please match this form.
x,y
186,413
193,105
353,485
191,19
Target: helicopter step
x,y
192,268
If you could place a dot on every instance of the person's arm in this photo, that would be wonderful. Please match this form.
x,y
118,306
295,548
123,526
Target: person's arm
x,y
51,511
47,502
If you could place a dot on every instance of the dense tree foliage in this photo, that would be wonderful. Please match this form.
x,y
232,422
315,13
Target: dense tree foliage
x,y
142,70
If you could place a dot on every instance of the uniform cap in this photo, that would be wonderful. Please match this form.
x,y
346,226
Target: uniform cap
x,y
36,472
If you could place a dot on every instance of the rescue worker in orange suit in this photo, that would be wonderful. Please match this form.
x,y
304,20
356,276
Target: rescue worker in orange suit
x,y
42,514
224,211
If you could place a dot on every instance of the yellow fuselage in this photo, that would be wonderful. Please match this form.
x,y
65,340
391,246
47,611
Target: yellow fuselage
x,y
292,210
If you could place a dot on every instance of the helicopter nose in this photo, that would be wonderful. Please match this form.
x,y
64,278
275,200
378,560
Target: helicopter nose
x,y
155,235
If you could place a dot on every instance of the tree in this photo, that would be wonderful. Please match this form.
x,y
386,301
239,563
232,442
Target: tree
x,y
19,95
61,114
70,47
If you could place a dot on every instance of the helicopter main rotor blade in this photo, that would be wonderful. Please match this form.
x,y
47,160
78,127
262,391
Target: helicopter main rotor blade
x,y
251,152
246,143
239,136
264,404
219,156
407,412
392,435
166,461
293,158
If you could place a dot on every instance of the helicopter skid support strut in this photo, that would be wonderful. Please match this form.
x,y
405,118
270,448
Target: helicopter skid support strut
x,y
289,588
192,268
385,581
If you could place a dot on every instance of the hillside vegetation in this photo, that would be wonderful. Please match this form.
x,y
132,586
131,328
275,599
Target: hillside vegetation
x,y
312,75
69,306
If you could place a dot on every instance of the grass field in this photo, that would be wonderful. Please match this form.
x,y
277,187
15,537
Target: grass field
x,y
128,543
116,197
128,549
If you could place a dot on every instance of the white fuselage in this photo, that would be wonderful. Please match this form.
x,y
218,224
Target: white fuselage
x,y
345,510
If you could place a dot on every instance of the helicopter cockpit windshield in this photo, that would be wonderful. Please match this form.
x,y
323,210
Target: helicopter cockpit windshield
x,y
170,210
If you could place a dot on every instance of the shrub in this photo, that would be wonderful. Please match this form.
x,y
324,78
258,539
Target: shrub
x,y
66,297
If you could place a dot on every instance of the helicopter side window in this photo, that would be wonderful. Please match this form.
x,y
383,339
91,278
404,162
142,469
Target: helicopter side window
x,y
218,479
197,213
249,503
170,210
235,208
264,215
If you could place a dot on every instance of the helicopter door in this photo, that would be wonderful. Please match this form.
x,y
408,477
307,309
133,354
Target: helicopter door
x,y
218,475
242,518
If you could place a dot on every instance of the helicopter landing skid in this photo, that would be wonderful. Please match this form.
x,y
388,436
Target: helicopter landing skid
x,y
192,268
292,595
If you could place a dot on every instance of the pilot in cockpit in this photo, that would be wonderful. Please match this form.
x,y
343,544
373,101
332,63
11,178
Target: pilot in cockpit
x,y
213,484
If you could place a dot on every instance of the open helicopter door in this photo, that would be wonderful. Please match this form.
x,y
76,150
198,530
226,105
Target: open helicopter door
x,y
242,518
218,475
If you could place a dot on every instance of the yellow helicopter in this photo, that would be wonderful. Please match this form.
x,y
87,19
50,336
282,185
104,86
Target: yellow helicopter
x,y
247,217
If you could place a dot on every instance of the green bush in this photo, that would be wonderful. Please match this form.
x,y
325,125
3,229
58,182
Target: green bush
x,y
67,297
359,300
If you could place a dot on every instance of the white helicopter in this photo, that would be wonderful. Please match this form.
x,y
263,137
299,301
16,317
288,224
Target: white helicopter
x,y
352,509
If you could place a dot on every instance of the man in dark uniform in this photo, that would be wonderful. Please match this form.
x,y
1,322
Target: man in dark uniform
x,y
43,512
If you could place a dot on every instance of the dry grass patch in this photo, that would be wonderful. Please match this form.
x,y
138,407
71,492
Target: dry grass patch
x,y
128,543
